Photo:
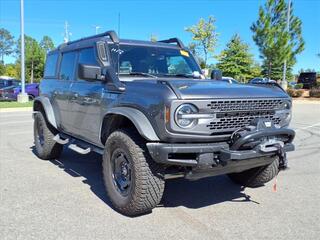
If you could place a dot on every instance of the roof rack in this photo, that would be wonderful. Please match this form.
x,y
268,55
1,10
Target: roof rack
x,y
173,40
112,34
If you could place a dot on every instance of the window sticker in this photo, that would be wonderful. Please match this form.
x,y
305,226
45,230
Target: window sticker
x,y
184,53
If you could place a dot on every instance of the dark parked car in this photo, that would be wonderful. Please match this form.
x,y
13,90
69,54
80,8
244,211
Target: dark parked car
x,y
11,92
308,79
4,82
145,107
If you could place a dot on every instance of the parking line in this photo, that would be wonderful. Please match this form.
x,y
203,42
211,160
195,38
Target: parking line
x,y
20,133
15,122
310,126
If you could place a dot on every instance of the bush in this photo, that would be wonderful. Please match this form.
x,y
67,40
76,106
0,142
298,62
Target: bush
x,y
315,92
295,93
298,86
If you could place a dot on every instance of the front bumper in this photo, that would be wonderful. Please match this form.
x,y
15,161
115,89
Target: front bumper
x,y
209,159
206,154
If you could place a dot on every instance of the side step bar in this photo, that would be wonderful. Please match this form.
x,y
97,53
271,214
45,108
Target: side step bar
x,y
78,149
58,139
77,145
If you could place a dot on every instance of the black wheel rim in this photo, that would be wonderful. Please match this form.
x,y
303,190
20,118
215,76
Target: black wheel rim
x,y
40,134
121,172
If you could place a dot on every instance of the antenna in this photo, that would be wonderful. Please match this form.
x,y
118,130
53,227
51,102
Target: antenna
x,y
97,27
67,34
119,17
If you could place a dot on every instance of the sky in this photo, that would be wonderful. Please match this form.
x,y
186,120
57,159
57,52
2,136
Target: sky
x,y
139,19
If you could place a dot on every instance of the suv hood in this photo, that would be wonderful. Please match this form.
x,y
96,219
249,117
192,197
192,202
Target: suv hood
x,y
204,89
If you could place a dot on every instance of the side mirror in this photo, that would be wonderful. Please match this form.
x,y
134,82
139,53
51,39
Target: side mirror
x,y
89,72
216,75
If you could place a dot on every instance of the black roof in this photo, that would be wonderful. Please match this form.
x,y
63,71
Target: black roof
x,y
112,38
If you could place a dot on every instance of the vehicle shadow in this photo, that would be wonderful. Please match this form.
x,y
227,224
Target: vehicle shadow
x,y
178,192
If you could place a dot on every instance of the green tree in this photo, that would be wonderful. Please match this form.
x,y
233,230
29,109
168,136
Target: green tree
x,y
275,43
2,68
11,70
205,36
46,44
6,43
153,38
236,61
34,59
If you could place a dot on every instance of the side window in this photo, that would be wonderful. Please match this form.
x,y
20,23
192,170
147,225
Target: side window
x,y
87,56
51,63
68,66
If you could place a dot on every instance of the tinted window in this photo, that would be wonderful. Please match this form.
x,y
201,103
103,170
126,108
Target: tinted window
x,y
87,56
152,60
67,66
178,65
2,83
51,63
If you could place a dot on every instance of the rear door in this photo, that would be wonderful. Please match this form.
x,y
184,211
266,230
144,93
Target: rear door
x,y
85,100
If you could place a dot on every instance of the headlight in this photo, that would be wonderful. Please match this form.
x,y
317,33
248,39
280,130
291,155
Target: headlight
x,y
284,113
285,118
285,105
183,115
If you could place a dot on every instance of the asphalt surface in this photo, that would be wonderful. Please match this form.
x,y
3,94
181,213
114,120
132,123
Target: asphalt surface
x,y
65,199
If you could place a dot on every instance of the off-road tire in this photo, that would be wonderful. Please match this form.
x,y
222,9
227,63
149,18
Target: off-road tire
x,y
147,177
256,177
50,149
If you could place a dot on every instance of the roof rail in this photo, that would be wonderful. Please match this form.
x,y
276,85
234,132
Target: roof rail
x,y
174,40
112,34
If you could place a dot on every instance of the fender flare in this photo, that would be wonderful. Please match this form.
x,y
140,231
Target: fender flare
x,y
139,120
45,102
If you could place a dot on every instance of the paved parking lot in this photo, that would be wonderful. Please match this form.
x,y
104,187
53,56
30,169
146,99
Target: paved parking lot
x,y
65,199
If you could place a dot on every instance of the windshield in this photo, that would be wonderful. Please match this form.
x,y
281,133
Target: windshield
x,y
148,61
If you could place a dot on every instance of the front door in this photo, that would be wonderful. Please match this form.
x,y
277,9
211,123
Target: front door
x,y
85,101
61,91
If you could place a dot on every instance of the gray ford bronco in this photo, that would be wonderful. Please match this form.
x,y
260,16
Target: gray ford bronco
x,y
147,109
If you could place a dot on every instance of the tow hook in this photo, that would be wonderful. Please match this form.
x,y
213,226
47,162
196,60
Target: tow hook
x,y
283,161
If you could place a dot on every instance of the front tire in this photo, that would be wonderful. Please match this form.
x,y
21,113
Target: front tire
x,y
46,148
134,182
256,177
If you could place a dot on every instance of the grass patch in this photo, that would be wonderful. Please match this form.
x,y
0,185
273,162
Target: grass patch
x,y
14,104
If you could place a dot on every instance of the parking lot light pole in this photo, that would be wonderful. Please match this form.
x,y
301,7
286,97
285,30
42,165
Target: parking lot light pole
x,y
23,96
284,82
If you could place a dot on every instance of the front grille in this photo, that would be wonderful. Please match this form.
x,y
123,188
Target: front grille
x,y
245,105
234,114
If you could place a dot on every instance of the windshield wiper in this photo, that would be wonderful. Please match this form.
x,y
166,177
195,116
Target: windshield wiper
x,y
142,74
180,75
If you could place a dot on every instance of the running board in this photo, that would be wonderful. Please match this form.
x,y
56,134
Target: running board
x,y
78,149
59,140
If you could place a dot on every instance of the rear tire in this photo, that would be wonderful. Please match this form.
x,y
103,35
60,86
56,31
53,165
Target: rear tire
x,y
256,177
134,182
46,147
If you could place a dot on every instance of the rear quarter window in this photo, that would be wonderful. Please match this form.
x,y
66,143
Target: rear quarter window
x,y
51,65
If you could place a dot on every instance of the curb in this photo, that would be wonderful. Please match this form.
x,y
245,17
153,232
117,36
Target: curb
x,y
18,109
